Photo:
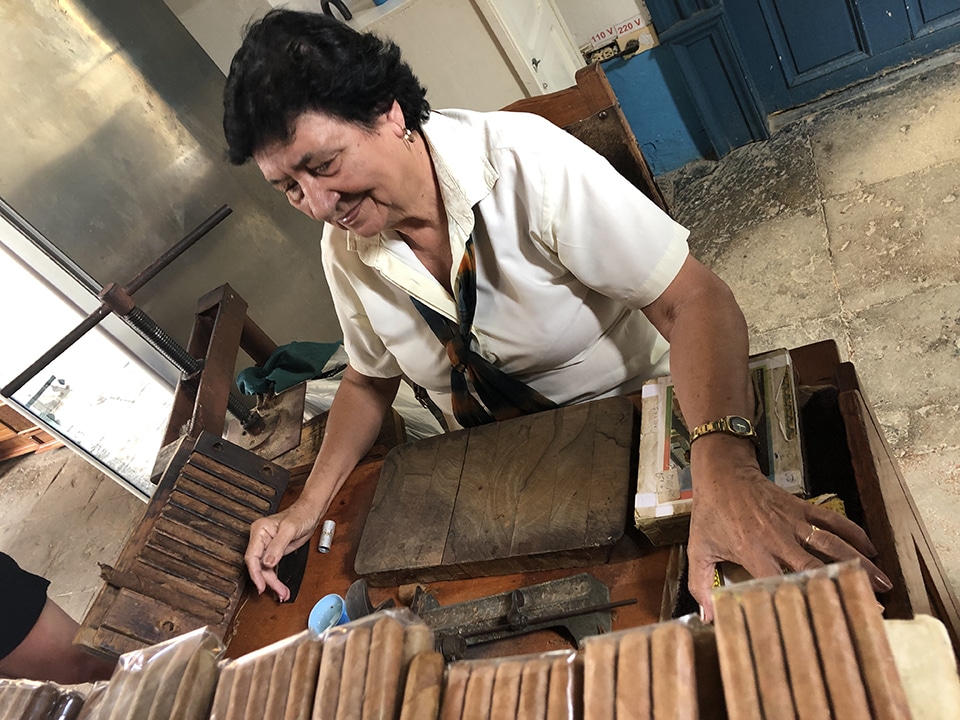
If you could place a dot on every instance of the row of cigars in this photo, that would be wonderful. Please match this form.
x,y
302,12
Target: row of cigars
x,y
808,646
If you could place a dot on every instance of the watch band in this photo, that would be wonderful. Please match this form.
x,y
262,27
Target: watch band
x,y
735,425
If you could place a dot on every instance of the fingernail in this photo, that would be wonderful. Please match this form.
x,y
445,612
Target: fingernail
x,y
881,580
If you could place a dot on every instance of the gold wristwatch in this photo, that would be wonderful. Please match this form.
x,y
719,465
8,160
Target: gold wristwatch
x,y
731,425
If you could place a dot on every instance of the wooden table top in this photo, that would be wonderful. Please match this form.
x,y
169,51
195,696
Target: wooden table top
x,y
635,570
638,570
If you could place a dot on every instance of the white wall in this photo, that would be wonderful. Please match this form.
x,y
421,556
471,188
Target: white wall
x,y
217,25
587,19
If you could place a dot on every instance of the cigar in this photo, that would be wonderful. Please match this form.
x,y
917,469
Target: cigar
x,y
93,703
17,699
221,697
736,662
240,691
454,691
479,695
506,689
840,668
599,678
884,688
417,638
350,702
303,681
768,661
803,662
68,706
41,703
674,680
156,702
120,694
634,691
382,686
197,685
280,679
260,687
328,683
534,684
565,693
421,696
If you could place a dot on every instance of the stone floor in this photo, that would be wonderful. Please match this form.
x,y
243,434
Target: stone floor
x,y
846,225
843,225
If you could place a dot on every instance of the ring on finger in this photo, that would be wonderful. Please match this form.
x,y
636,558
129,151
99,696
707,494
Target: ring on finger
x,y
806,541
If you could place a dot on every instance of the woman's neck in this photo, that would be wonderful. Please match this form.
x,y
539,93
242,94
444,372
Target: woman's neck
x,y
425,214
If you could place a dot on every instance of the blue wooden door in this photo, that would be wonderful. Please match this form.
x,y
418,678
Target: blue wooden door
x,y
798,50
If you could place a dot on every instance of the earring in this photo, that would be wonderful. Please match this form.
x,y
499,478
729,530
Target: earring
x,y
408,135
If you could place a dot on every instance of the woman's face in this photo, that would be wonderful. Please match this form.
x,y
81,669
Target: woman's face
x,y
341,173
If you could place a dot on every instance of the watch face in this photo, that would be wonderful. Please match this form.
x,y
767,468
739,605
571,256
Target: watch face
x,y
739,425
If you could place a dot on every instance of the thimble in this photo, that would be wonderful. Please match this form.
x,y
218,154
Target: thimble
x,y
326,535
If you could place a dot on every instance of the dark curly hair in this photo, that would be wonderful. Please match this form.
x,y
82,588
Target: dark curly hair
x,y
295,62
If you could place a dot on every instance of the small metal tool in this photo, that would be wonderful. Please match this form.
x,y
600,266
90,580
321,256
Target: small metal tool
x,y
580,604
357,601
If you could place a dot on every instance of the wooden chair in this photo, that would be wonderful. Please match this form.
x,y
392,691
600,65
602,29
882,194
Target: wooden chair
x,y
591,113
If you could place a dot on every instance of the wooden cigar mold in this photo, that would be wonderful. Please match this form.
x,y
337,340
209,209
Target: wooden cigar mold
x,y
183,566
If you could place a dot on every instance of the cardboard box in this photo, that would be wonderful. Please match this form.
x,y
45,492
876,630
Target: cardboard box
x,y
664,484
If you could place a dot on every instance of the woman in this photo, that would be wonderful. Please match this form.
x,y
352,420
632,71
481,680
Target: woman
x,y
506,268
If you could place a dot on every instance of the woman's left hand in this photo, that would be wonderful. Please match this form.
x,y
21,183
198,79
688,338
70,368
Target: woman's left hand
x,y
741,516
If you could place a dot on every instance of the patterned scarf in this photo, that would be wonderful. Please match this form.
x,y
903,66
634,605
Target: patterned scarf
x,y
503,396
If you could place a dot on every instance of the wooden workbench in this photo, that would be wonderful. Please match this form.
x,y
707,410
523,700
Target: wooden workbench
x,y
847,445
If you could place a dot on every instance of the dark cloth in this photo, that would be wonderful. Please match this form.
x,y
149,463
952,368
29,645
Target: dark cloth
x,y
504,396
289,365
22,597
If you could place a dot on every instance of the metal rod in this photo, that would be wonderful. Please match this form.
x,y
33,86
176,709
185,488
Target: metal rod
x,y
97,316
90,322
159,339
149,272
176,354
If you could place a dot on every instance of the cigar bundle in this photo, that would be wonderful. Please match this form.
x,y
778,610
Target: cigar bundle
x,y
365,667
548,686
30,700
356,671
810,645
276,682
174,680
667,671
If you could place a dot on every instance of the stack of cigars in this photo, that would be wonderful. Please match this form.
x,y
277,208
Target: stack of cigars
x,y
174,680
810,646
31,700
802,646
371,669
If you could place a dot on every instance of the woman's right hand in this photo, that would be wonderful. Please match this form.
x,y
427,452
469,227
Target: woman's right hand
x,y
355,418
273,537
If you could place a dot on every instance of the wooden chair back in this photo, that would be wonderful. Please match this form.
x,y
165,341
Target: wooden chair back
x,y
590,112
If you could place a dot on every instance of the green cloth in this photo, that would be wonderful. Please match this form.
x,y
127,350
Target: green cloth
x,y
289,365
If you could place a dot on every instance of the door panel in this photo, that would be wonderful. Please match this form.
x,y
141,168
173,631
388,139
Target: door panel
x,y
798,51
808,43
932,15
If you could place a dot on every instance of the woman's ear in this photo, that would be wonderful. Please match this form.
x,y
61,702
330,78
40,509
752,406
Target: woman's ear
x,y
395,120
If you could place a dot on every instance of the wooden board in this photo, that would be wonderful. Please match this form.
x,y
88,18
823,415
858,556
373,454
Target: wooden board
x,y
538,492
20,436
